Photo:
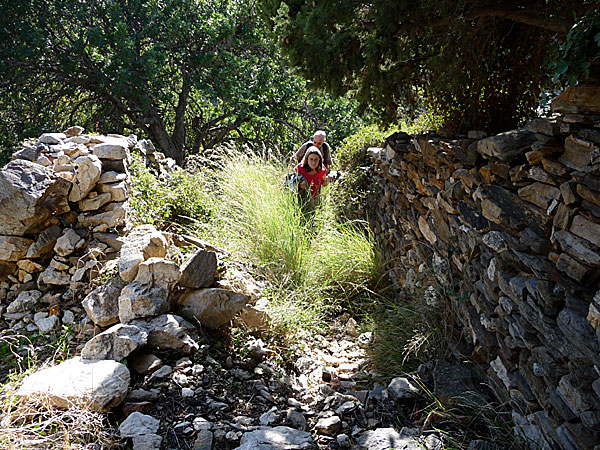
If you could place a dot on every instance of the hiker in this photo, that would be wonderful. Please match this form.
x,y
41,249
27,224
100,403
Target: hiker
x,y
313,170
318,142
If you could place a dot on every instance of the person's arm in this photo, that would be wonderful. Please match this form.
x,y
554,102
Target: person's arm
x,y
327,156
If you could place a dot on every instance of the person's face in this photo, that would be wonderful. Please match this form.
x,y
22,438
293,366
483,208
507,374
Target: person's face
x,y
318,141
313,161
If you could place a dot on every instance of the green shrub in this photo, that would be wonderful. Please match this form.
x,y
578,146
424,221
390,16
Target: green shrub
x,y
350,194
179,198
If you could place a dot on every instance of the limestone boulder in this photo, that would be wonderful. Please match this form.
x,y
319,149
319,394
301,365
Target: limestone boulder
x,y
102,304
73,131
158,272
115,150
94,201
52,138
51,276
116,343
112,177
277,438
44,242
138,424
142,243
199,270
68,242
112,216
13,248
100,385
139,300
387,439
25,301
29,194
506,146
89,169
170,331
211,307
119,192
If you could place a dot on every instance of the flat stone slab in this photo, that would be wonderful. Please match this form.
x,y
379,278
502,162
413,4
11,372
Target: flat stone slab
x,y
277,438
100,385
387,439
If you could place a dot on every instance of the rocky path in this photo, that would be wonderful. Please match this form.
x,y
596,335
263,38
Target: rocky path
x,y
245,398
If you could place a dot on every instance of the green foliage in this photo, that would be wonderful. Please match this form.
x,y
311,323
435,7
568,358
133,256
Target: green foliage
x,y
188,74
351,193
580,52
476,65
180,197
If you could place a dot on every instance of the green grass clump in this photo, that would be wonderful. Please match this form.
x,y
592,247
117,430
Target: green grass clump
x,y
312,263
180,198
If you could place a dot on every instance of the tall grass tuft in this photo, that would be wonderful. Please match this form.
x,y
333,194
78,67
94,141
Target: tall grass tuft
x,y
311,262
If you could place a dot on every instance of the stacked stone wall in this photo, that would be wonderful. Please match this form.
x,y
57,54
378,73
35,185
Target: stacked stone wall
x,y
515,220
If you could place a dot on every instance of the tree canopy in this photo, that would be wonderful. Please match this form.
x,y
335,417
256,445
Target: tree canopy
x,y
187,73
476,63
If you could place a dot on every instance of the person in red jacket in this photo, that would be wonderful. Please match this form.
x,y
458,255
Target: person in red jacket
x,y
313,170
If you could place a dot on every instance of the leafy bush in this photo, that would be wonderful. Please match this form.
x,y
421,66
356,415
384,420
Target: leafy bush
x,y
179,198
351,192
580,52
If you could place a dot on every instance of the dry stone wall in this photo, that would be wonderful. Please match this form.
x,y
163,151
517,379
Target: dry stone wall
x,y
514,220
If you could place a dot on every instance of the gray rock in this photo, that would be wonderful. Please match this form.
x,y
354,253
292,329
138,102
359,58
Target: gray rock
x,y
277,438
144,364
328,425
578,248
114,214
68,242
117,343
30,153
169,331
148,441
51,276
115,150
25,301
139,300
506,146
44,242
402,389
161,373
142,243
87,175
52,138
199,270
387,439
204,440
46,324
211,307
29,194
100,385
295,419
13,248
137,424
94,201
102,304
112,177
119,192
158,272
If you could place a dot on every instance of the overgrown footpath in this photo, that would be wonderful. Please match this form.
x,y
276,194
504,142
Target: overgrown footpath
x,y
325,354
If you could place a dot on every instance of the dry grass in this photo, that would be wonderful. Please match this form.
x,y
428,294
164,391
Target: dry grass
x,y
36,423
